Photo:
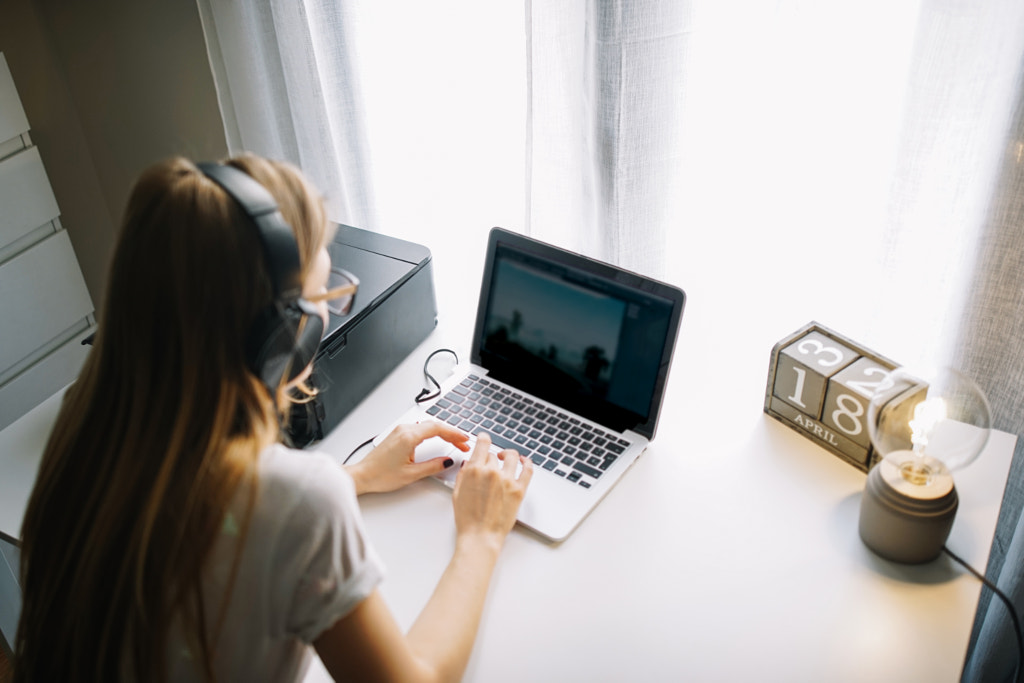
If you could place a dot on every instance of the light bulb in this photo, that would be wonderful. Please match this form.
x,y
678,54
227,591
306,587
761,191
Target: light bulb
x,y
936,427
923,434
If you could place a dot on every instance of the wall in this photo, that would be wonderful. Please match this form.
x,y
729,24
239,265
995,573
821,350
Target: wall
x,y
109,87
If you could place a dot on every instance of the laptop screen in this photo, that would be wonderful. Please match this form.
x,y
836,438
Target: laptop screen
x,y
580,334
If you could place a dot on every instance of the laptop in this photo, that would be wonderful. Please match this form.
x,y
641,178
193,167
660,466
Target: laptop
x,y
568,366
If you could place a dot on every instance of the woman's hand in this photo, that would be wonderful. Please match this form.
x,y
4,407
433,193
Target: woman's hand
x,y
487,497
391,465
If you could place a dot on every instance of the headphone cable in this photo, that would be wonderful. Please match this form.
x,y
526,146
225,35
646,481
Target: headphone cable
x,y
428,394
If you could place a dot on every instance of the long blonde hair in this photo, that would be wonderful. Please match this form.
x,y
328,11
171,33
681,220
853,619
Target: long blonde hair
x,y
159,433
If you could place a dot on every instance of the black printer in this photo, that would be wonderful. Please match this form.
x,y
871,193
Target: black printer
x,y
394,310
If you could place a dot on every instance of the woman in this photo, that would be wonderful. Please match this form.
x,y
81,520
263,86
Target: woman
x,y
169,535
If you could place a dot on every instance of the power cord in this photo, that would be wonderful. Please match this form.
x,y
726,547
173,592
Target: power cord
x,y
1006,601
424,396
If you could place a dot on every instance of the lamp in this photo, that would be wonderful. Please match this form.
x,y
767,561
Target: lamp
x,y
923,433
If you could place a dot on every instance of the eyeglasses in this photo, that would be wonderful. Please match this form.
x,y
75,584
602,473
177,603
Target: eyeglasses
x,y
341,292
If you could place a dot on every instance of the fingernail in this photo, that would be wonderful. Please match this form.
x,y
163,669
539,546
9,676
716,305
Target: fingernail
x,y
448,462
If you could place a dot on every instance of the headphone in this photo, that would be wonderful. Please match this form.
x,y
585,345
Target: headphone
x,y
286,335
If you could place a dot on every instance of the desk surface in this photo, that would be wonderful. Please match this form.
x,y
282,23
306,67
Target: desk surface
x,y
728,552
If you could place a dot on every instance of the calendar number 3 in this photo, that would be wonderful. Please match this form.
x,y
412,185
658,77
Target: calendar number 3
x,y
813,347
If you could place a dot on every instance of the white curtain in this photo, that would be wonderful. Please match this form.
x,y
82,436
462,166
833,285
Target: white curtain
x,y
409,116
288,86
606,87
661,132
652,133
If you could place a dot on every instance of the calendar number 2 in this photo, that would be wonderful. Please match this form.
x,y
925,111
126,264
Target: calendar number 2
x,y
867,388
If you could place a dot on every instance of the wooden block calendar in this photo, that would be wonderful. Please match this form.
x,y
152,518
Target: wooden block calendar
x,y
820,383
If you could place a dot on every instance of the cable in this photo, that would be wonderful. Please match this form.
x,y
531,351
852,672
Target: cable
x,y
1006,601
357,449
427,394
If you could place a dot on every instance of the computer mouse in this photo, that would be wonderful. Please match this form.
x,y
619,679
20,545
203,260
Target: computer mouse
x,y
436,447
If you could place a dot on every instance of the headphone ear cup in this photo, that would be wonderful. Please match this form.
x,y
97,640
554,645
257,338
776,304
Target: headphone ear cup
x,y
279,343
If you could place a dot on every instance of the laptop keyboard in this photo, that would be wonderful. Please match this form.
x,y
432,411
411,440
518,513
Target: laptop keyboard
x,y
563,445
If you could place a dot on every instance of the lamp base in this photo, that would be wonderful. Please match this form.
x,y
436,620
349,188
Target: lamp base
x,y
907,524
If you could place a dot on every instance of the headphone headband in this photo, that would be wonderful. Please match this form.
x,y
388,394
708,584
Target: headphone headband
x,y
285,336
281,254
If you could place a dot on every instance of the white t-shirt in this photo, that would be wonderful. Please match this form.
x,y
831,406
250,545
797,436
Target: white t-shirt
x,y
306,563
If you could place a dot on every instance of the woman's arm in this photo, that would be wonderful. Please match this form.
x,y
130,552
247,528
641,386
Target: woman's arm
x,y
367,644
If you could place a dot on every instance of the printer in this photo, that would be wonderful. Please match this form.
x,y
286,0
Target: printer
x,y
394,310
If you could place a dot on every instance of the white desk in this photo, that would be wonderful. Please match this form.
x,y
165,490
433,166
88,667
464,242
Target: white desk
x,y
729,551
21,446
